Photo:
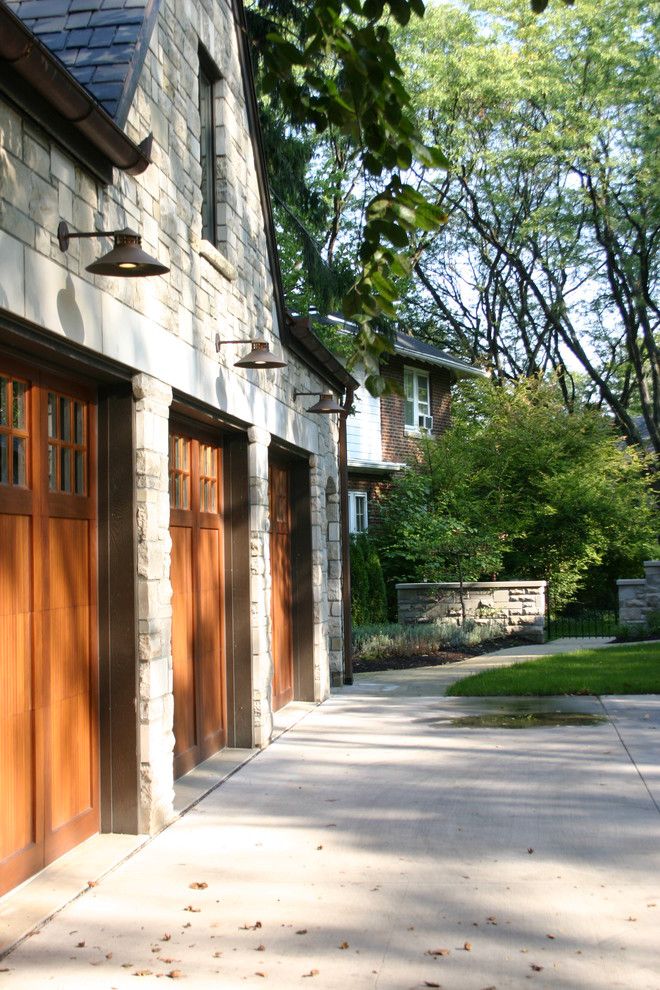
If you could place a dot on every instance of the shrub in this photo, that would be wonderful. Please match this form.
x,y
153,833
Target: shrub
x,y
650,629
368,596
377,641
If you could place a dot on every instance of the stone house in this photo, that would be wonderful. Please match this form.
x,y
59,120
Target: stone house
x,y
383,432
170,524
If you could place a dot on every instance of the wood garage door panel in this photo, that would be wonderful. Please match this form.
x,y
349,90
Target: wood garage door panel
x,y
48,632
210,631
72,780
17,807
281,590
183,604
198,599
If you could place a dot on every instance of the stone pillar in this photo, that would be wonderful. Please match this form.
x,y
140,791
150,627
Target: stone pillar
x,y
652,575
320,603
262,662
152,402
335,599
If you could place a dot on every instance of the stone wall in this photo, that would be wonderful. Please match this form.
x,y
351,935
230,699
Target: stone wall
x,y
161,332
641,596
519,606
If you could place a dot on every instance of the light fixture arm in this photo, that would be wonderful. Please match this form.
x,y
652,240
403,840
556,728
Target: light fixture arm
x,y
219,341
64,235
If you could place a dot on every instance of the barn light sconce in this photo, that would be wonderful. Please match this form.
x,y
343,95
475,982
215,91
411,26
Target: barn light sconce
x,y
126,260
259,357
326,403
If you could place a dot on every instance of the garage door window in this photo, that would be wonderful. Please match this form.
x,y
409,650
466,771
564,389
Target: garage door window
x,y
14,436
67,445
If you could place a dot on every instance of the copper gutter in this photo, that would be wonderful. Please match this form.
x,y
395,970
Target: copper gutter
x,y
28,57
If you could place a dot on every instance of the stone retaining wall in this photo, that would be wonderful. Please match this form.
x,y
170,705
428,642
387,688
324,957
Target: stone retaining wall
x,y
519,606
640,596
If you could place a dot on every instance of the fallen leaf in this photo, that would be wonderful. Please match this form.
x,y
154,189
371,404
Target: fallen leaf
x,y
142,972
80,945
430,983
91,883
194,910
437,952
188,924
166,960
312,972
629,919
302,931
166,937
108,955
468,946
550,936
530,850
491,920
260,974
537,969
175,974
198,885
260,948
127,965
217,955
344,945
251,928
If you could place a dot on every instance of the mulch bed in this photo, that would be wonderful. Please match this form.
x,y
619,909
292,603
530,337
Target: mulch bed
x,y
433,659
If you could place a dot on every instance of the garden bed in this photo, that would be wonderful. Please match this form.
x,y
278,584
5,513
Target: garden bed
x,y
435,659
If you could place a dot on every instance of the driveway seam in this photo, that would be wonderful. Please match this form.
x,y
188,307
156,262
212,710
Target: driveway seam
x,y
630,756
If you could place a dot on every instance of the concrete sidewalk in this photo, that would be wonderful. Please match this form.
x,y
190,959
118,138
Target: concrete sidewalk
x,y
434,681
375,845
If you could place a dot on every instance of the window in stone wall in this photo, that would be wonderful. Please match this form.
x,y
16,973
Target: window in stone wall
x,y
417,393
358,520
208,76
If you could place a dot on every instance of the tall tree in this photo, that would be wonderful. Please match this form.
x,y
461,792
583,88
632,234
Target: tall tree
x,y
550,256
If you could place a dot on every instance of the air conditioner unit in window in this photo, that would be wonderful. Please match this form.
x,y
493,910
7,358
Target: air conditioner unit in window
x,y
425,422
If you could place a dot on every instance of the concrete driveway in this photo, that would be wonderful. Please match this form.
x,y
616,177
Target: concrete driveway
x,y
376,845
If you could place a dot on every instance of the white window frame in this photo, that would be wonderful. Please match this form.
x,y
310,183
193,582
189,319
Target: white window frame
x,y
354,516
413,377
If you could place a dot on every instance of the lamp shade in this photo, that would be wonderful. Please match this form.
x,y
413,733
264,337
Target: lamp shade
x,y
326,404
127,259
260,357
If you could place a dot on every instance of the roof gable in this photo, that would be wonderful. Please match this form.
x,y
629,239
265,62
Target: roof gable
x,y
102,43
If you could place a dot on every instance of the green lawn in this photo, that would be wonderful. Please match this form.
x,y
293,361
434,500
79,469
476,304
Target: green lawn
x,y
613,670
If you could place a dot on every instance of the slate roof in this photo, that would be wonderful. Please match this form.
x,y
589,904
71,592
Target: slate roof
x,y
410,347
102,43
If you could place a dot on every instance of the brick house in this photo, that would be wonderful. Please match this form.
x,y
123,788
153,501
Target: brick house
x,y
159,498
383,433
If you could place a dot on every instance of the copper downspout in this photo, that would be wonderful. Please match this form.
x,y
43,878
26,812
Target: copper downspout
x,y
38,66
345,538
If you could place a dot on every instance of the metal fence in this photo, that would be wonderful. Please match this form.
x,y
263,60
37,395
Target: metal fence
x,y
576,619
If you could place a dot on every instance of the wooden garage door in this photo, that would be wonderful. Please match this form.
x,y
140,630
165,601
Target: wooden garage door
x,y
48,625
197,600
281,590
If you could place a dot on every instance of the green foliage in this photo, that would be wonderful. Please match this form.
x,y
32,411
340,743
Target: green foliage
x,y
608,670
550,258
368,598
519,488
377,641
332,67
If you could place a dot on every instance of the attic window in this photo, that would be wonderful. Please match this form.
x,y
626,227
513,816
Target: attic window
x,y
208,76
